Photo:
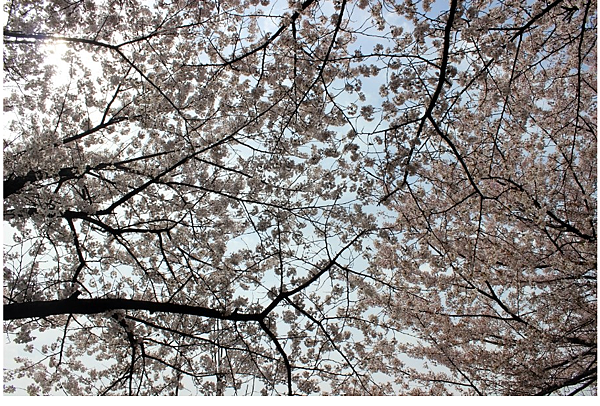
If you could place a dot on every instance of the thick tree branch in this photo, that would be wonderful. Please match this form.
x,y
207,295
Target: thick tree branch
x,y
49,37
535,18
47,308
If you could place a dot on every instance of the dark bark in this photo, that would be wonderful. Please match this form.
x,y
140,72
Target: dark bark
x,y
12,184
71,305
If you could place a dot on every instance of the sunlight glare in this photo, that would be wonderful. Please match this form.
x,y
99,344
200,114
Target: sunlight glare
x,y
57,55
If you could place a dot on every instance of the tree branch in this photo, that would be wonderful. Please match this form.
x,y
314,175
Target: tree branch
x,y
47,308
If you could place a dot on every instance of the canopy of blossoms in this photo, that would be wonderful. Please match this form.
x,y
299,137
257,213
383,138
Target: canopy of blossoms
x,y
361,197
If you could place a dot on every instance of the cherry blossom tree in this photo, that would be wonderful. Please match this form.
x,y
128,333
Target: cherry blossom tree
x,y
368,197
